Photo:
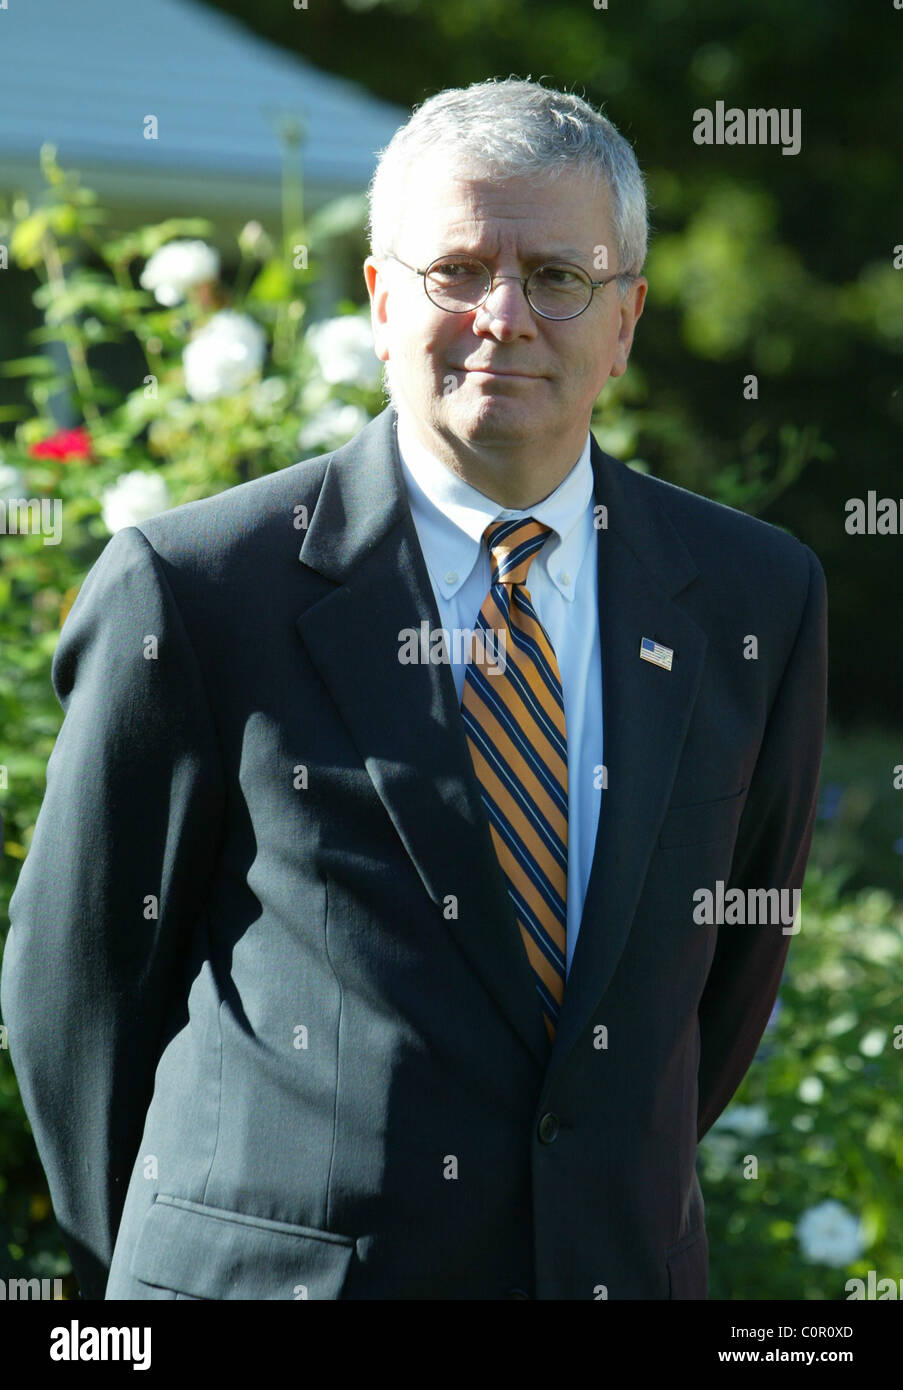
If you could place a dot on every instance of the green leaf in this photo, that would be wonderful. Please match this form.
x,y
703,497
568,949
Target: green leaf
x,y
27,238
273,283
88,290
144,241
64,219
29,366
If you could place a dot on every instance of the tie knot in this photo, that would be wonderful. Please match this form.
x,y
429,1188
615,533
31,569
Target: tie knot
x,y
512,546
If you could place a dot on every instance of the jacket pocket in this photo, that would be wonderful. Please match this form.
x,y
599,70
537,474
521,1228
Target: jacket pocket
x,y
209,1253
703,823
688,1267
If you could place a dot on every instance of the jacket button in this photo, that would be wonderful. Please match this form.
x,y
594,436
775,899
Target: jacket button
x,y
548,1128
517,1293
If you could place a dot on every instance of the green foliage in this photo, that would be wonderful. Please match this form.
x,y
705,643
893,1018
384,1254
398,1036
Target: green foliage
x,y
825,1089
859,834
229,432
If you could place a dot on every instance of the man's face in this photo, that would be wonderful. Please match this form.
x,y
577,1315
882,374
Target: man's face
x,y
500,376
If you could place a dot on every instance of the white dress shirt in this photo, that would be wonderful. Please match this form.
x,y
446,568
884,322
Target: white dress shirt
x,y
450,517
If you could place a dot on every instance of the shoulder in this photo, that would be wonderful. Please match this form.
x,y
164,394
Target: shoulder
x,y
247,519
744,556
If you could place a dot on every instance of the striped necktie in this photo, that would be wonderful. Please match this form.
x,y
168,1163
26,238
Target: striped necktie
x,y
513,713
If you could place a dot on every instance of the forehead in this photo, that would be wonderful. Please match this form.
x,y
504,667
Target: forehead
x,y
468,211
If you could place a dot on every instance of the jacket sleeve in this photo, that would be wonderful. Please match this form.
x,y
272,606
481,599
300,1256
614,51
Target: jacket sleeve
x,y
117,873
773,842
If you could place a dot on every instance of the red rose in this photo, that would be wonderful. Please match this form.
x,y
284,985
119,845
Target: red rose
x,y
65,444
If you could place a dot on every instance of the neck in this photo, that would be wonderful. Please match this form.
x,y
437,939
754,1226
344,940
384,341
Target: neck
x,y
513,474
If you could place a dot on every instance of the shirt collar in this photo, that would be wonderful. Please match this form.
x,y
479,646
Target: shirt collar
x,y
451,517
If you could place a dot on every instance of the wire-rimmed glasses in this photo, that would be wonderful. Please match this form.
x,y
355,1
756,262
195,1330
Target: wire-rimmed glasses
x,y
555,290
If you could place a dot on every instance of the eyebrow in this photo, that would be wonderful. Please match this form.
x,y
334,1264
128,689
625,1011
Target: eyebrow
x,y
566,253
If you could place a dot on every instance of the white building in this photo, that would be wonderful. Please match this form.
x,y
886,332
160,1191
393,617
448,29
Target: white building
x,y
96,78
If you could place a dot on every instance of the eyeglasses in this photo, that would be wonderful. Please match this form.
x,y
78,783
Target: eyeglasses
x,y
557,290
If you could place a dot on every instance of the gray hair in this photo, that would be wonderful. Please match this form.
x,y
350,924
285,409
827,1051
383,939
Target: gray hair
x,y
506,127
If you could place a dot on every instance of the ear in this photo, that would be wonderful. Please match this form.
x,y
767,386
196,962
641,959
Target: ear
x,y
631,309
378,290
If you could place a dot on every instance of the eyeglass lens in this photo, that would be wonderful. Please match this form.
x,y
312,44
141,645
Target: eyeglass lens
x,y
460,283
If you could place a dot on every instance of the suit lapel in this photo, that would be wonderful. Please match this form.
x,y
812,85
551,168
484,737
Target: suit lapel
x,y
404,719
642,564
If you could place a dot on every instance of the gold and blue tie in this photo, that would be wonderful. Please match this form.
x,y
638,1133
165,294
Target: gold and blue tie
x,y
513,712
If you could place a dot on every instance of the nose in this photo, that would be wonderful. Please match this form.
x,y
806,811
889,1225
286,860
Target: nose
x,y
505,309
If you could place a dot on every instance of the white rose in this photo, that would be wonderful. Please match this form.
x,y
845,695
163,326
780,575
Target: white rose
x,y
334,424
269,394
223,356
252,238
830,1235
12,484
133,498
177,266
344,350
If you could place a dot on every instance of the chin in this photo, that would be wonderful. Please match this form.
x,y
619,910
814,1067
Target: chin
x,y
506,411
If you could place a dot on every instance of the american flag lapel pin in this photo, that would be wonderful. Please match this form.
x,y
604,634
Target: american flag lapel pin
x,y
656,653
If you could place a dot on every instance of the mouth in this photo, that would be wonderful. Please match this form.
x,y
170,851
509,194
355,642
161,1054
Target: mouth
x,y
492,371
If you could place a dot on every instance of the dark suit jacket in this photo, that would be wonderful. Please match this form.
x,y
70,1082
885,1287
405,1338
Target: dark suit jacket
x,y
271,1015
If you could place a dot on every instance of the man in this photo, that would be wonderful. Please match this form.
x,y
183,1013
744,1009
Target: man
x,y
338,969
